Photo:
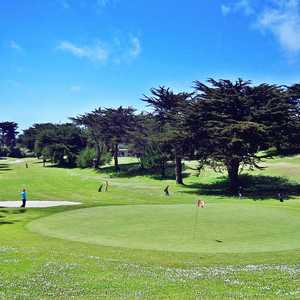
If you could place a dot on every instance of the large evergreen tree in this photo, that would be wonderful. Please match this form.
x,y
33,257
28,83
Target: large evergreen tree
x,y
169,110
118,126
277,108
109,127
8,133
228,134
94,123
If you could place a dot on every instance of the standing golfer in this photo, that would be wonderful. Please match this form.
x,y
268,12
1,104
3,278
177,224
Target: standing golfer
x,y
23,198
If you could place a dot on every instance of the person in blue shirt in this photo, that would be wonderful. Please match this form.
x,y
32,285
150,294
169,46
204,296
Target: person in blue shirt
x,y
23,198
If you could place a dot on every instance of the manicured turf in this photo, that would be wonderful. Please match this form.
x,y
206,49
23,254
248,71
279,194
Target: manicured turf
x,y
219,228
260,239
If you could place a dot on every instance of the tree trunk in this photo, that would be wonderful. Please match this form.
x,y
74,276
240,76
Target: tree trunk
x,y
178,169
98,153
116,158
233,175
163,169
278,148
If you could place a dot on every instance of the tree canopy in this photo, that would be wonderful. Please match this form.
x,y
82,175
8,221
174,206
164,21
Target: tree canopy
x,y
223,124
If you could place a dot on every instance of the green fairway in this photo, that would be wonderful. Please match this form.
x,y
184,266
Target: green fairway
x,y
217,228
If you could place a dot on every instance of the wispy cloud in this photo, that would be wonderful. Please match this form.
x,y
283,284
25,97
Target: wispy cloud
x,y
95,53
117,50
75,89
282,19
15,46
225,9
136,48
243,6
99,4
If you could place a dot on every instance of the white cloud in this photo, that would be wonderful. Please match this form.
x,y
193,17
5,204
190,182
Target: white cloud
x,y
95,53
14,45
136,48
245,7
226,9
75,89
117,51
282,19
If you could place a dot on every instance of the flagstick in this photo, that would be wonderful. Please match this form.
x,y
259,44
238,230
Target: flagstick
x,y
195,221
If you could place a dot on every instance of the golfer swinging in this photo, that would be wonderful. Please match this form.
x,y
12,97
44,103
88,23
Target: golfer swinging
x,y
23,198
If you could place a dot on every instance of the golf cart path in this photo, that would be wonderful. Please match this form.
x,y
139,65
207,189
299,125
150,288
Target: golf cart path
x,y
37,204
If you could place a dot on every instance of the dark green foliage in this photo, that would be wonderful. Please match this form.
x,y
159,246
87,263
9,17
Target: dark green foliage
x,y
169,114
223,124
28,138
155,156
86,158
109,127
8,133
228,136
60,143
277,108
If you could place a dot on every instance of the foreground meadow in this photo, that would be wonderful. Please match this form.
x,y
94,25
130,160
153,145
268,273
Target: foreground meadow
x,y
133,242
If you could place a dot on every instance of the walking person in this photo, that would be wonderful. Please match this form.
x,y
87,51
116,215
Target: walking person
x,y
23,198
280,197
166,190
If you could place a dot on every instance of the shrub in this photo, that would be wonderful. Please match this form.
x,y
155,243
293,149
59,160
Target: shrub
x,y
86,158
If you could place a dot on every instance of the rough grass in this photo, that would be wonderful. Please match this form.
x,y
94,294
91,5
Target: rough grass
x,y
33,266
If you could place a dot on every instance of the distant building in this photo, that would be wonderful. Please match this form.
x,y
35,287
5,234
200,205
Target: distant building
x,y
124,151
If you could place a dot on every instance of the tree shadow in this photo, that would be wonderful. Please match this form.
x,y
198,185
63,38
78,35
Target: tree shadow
x,y
6,214
6,222
4,167
134,169
257,187
61,166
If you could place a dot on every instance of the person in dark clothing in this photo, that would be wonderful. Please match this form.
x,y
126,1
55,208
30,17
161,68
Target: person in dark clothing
x,y
166,190
280,197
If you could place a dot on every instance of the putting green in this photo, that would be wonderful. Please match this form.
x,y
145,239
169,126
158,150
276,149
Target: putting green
x,y
231,228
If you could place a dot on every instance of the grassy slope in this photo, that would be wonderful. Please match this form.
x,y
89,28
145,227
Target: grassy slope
x,y
34,266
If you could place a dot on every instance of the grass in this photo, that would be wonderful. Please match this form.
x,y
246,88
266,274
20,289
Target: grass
x,y
220,228
257,258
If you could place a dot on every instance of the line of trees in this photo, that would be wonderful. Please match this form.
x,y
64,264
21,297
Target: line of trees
x,y
222,124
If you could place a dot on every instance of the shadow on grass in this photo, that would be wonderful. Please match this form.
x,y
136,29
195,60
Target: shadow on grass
x,y
5,215
254,187
6,222
134,169
4,167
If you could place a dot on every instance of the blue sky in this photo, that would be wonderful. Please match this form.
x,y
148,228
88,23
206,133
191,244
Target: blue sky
x,y
60,58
